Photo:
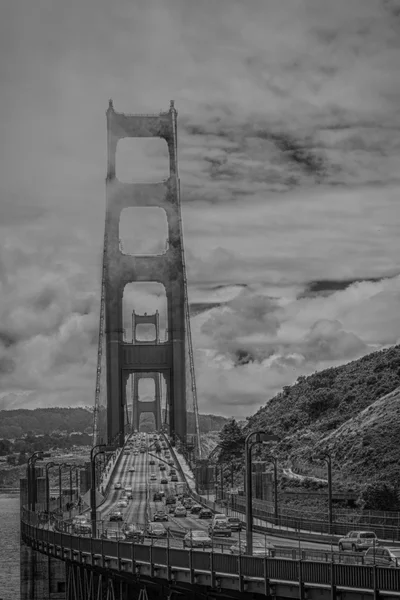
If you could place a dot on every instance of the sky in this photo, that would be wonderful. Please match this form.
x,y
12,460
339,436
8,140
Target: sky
x,y
288,139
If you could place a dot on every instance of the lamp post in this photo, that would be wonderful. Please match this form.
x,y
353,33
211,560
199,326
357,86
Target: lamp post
x,y
325,456
102,448
60,468
31,476
275,462
260,437
49,465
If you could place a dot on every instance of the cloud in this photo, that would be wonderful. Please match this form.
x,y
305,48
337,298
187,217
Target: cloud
x,y
288,160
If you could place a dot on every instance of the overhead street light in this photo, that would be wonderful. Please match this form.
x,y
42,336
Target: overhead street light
x,y
102,448
325,456
256,437
48,466
31,476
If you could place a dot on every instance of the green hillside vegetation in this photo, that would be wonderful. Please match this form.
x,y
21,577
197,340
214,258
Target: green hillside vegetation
x,y
40,421
349,411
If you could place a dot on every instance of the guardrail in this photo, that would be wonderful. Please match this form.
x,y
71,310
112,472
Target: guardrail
x,y
328,574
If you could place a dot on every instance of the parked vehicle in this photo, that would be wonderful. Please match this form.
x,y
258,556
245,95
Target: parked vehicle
x,y
357,541
197,539
383,556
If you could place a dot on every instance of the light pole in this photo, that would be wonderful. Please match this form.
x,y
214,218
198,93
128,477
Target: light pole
x,y
31,476
49,465
260,437
102,448
60,468
275,461
325,456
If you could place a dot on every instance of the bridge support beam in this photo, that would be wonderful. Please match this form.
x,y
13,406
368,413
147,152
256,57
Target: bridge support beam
x,y
140,407
168,269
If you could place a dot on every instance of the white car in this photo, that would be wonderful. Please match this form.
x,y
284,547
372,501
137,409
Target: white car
x,y
128,488
219,518
122,504
117,486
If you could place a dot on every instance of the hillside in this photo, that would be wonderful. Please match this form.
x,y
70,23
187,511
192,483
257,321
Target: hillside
x,y
349,410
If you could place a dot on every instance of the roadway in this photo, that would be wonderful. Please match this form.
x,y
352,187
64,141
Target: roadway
x,y
146,480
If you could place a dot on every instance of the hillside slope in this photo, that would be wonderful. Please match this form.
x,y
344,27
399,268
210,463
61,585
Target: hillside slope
x,y
349,410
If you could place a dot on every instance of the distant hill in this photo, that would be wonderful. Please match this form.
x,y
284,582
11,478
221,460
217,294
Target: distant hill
x,y
42,421
352,411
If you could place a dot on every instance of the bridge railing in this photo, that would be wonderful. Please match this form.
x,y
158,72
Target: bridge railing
x,y
367,577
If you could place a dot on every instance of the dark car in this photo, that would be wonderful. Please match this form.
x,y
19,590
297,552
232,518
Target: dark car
x,y
152,462
162,467
156,530
170,500
134,533
116,515
157,497
220,528
174,478
172,472
235,524
205,514
160,515
164,481
196,509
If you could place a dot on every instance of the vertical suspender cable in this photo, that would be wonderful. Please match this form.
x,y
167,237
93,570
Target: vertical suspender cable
x,y
100,344
187,311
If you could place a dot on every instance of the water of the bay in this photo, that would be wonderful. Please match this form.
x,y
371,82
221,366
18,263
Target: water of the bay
x,y
9,546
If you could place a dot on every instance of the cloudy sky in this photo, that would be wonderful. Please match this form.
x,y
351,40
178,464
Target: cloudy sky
x,y
288,125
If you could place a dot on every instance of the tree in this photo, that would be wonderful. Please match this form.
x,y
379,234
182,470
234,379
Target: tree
x,y
379,496
231,441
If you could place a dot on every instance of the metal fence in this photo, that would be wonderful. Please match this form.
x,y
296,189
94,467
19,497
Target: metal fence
x,y
300,571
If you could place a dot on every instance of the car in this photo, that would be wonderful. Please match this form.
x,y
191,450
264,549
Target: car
x,y
81,526
260,548
197,539
171,463
162,467
205,513
117,486
170,500
357,541
153,478
196,508
136,453
157,497
129,496
160,515
180,511
220,528
172,472
156,530
122,504
128,488
126,453
164,481
383,556
116,515
132,470
174,478
142,450
235,524
171,509
112,534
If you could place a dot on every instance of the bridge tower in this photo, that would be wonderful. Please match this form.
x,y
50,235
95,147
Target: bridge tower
x,y
168,357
